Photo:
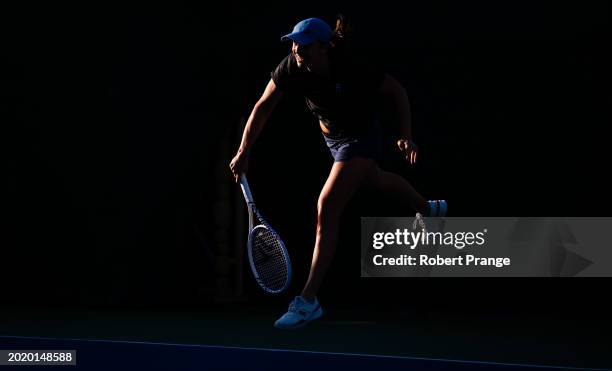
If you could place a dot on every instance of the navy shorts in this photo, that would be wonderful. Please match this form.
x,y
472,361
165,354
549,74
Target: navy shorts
x,y
367,145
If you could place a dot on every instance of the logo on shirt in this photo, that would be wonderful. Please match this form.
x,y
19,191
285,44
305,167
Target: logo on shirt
x,y
338,88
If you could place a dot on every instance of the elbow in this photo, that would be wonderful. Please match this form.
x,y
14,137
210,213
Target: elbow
x,y
266,103
403,91
263,108
392,88
399,93
399,96
399,90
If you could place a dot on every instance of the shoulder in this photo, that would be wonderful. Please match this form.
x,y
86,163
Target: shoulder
x,y
286,72
288,65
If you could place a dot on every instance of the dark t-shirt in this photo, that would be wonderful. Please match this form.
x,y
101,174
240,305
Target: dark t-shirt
x,y
346,102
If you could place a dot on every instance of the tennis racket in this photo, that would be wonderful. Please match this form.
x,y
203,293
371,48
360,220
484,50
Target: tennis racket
x,y
268,256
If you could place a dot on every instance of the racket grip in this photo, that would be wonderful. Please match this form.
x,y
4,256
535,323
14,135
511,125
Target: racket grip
x,y
246,191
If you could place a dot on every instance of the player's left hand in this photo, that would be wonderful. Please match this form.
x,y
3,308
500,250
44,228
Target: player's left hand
x,y
409,150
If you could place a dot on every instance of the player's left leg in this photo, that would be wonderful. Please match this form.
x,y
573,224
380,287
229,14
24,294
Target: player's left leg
x,y
344,179
391,183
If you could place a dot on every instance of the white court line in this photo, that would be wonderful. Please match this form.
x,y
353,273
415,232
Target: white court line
x,y
221,347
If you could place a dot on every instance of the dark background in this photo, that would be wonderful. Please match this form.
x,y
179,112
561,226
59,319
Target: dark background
x,y
119,121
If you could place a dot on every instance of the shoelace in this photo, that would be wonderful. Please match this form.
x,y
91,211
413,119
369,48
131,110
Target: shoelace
x,y
419,222
293,307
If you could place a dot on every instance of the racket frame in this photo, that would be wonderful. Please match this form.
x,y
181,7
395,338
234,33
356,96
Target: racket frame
x,y
253,216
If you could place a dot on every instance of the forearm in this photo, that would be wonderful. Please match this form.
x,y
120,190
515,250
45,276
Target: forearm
x,y
257,120
402,106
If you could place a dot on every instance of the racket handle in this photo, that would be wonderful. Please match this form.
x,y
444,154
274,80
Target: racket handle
x,y
246,191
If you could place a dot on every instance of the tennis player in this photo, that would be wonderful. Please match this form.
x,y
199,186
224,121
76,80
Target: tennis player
x,y
345,96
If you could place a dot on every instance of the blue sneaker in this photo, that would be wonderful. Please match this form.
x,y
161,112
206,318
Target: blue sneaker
x,y
437,208
300,313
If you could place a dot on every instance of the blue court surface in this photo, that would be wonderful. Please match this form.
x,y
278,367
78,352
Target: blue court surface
x,y
131,355
243,338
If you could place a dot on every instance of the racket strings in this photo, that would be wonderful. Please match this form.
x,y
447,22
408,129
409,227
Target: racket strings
x,y
270,259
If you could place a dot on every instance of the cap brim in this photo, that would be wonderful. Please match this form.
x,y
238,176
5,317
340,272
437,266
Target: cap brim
x,y
299,37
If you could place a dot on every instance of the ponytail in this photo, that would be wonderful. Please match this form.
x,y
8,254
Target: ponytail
x,y
342,33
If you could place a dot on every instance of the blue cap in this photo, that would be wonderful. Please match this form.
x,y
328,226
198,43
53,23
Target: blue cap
x,y
310,30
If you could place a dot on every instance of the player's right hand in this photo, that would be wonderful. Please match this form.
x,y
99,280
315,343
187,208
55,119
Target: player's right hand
x,y
239,165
